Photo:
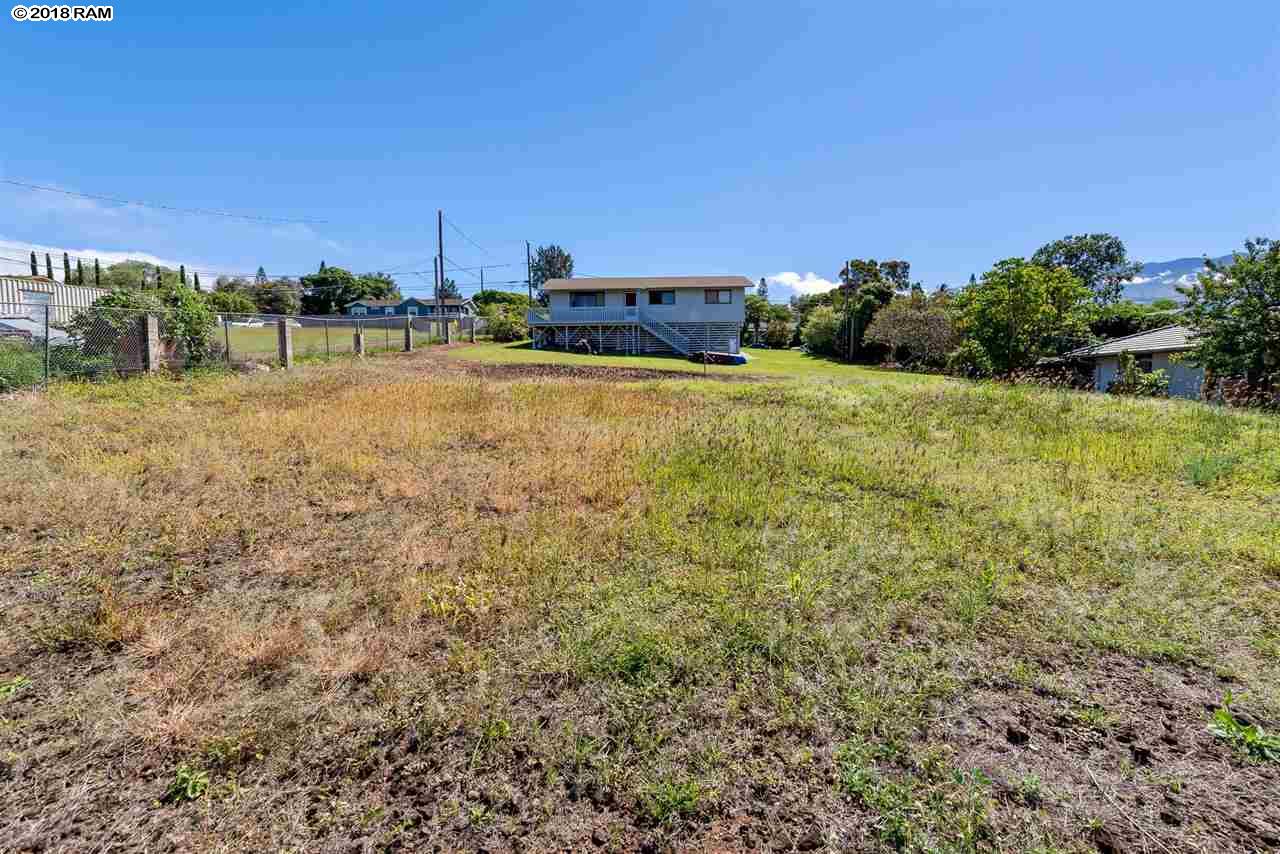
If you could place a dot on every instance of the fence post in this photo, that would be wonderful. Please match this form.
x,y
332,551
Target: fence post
x,y
226,336
386,336
471,329
408,334
284,338
327,354
448,331
357,340
46,346
149,337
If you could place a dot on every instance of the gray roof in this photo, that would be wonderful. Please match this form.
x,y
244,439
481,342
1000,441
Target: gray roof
x,y
645,283
1168,339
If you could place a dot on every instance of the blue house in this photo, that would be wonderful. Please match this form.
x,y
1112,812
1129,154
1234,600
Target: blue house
x,y
411,307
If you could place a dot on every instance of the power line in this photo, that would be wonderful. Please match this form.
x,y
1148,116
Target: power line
x,y
170,208
467,238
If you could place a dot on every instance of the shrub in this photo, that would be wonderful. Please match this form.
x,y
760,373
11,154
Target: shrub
x,y
507,325
230,302
777,334
915,330
820,331
1137,382
970,360
20,366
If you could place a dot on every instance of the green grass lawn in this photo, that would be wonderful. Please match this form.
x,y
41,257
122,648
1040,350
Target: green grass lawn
x,y
778,363
261,342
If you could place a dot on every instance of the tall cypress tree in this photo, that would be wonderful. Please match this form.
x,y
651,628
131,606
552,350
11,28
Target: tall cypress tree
x,y
322,266
48,266
79,272
66,268
197,275
97,274
182,273
35,265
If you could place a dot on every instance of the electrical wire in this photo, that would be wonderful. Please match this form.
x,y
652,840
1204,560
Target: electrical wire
x,y
170,208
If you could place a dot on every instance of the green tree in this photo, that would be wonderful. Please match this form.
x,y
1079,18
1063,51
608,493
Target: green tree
x,y
507,324
79,272
778,333
1019,312
1097,260
66,269
916,329
1235,310
1126,317
449,289
756,310
35,265
276,297
48,266
260,278
230,302
97,275
197,278
491,302
550,262
821,330
331,289
762,289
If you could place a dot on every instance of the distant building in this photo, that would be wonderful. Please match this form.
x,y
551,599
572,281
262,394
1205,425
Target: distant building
x,y
1151,350
653,314
28,296
411,307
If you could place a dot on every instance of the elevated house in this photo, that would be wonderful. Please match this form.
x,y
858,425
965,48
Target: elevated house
x,y
411,307
1152,351
655,314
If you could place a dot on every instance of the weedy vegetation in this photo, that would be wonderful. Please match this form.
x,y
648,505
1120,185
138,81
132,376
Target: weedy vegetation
x,y
413,602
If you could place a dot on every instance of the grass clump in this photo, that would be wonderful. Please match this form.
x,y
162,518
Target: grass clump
x,y
1249,740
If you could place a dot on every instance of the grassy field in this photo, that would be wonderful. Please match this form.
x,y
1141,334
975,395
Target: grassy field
x,y
261,342
768,363
413,602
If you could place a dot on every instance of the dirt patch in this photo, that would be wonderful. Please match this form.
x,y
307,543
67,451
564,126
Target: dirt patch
x,y
1118,751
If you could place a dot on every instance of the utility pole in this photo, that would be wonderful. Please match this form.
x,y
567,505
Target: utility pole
x,y
440,247
528,272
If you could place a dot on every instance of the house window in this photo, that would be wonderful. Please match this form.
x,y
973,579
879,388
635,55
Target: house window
x,y
586,299
391,309
1143,362
359,311
662,297
412,310
717,297
630,297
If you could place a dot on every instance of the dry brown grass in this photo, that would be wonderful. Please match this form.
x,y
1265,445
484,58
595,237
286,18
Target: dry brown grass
x,y
398,604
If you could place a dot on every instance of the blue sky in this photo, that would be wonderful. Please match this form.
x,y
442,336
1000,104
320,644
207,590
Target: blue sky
x,y
762,139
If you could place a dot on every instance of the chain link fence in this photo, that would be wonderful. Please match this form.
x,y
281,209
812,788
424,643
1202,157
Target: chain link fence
x,y
43,342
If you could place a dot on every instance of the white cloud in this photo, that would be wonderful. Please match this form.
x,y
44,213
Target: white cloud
x,y
15,257
806,285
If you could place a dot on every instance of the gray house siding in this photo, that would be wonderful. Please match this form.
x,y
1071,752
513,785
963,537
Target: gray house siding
x,y
1184,380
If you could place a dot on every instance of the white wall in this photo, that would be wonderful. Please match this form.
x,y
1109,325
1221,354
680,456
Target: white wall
x,y
1184,380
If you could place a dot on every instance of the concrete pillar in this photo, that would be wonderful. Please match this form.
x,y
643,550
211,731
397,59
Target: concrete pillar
x,y
149,340
357,341
408,334
284,341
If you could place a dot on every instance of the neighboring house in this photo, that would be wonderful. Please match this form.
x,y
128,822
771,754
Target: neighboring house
x,y
27,296
663,314
411,307
1152,351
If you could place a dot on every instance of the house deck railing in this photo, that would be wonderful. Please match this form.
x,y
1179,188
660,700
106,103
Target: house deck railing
x,y
572,316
